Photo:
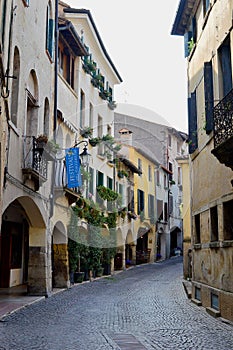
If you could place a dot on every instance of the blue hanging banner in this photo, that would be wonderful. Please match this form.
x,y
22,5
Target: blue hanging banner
x,y
73,168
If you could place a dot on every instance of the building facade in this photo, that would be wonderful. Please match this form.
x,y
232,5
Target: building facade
x,y
207,30
28,97
162,144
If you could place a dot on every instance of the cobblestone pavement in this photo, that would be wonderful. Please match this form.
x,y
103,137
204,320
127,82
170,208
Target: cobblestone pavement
x,y
142,308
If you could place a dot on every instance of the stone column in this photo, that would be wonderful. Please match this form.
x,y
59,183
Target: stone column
x,y
60,266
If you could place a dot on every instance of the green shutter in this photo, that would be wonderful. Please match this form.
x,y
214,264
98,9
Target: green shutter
x,y
192,118
209,95
51,37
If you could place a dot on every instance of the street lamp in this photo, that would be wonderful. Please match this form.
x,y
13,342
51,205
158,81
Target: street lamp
x,y
84,155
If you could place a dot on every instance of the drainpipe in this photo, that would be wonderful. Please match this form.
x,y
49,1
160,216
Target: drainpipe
x,y
55,104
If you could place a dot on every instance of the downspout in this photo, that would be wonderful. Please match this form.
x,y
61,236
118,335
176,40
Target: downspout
x,y
54,106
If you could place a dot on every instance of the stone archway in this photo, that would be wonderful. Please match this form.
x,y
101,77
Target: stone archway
x,y
24,252
60,267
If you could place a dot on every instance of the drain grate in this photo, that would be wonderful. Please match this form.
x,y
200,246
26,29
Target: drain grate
x,y
127,342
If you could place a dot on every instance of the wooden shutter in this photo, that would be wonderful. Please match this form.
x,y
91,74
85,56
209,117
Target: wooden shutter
x,y
51,37
209,95
192,119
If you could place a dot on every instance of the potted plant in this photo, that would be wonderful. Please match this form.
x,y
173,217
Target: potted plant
x,y
41,141
122,173
94,141
86,132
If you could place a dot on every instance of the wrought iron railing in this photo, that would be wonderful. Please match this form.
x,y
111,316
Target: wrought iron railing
x,y
33,157
223,119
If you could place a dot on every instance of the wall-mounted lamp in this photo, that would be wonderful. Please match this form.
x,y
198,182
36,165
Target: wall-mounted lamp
x,y
84,155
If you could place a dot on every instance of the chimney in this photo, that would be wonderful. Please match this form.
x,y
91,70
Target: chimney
x,y
126,136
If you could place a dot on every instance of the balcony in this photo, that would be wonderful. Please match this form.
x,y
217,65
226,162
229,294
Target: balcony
x,y
35,165
223,130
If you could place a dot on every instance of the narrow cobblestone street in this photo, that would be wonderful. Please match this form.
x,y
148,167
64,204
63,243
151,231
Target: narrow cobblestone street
x,y
142,308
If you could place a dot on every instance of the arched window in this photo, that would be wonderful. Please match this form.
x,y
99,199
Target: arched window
x,y
32,105
49,31
15,87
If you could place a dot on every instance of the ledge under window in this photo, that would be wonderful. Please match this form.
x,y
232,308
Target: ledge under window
x,y
214,244
227,244
197,246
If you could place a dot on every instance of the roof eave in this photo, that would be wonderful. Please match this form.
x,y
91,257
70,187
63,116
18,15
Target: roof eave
x,y
87,12
183,14
68,31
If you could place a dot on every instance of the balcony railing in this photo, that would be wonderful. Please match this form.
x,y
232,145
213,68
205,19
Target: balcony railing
x,y
223,130
223,119
35,165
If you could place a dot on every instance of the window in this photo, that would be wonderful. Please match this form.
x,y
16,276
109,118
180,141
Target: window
x,y
121,191
46,117
197,228
165,212
91,180
209,95
228,220
190,37
165,181
82,109
206,5
91,115
26,2
49,32
170,204
192,122
214,301
214,224
139,165
130,199
198,293
109,183
100,135
140,201
151,206
179,175
158,178
160,210
225,71
99,178
15,87
170,167
149,173
169,140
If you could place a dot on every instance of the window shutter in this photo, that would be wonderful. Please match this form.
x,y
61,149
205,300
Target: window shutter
x,y
194,29
51,37
192,118
186,45
209,96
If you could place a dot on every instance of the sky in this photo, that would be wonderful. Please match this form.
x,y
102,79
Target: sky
x,y
136,35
